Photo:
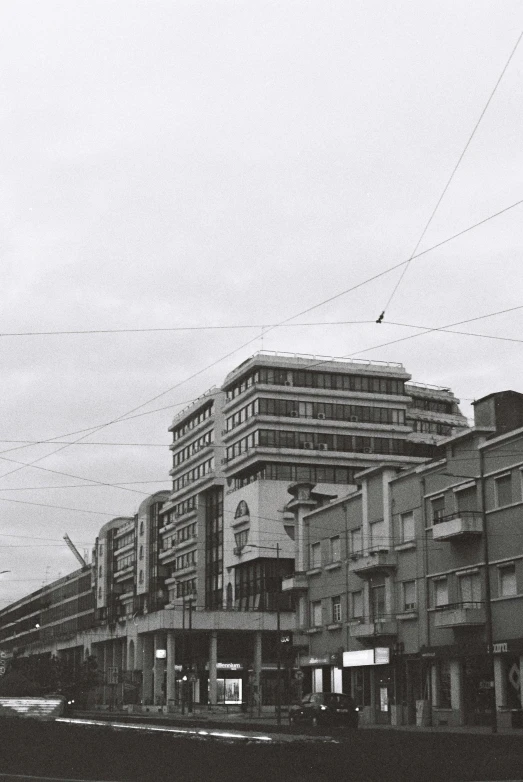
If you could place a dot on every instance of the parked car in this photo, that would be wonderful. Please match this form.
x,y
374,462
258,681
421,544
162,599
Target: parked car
x,y
325,708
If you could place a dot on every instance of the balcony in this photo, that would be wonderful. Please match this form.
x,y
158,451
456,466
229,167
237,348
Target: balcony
x,y
457,525
296,583
460,615
373,562
379,627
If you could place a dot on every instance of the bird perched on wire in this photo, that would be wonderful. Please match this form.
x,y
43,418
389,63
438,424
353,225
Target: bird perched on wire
x,y
381,317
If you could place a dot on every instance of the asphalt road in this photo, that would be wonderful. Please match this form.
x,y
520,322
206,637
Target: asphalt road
x,y
68,751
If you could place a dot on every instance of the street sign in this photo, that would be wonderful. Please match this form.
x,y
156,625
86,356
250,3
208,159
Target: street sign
x,y
299,675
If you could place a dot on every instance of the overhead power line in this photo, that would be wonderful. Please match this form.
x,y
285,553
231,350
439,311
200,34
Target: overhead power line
x,y
449,180
130,413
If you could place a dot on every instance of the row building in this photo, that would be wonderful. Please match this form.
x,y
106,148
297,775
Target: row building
x,y
185,601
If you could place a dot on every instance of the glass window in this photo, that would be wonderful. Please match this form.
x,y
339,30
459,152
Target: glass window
x,y
441,592
316,613
335,549
356,541
407,527
357,604
469,587
377,597
315,555
503,490
409,595
443,684
336,609
467,499
378,540
438,509
507,580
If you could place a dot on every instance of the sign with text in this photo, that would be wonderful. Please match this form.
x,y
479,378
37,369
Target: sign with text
x,y
378,656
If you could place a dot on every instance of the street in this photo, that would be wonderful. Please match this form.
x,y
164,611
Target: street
x,y
71,751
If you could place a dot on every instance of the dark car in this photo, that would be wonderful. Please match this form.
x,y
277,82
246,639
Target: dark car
x,y
325,708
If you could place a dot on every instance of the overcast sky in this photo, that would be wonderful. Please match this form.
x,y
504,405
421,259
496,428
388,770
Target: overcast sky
x,y
219,163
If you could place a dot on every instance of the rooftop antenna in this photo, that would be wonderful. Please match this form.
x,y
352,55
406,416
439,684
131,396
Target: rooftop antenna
x,y
46,577
74,550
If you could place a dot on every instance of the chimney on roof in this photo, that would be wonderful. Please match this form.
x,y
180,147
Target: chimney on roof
x,y
502,410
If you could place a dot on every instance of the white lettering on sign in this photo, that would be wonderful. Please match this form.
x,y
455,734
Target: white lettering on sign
x,y
499,648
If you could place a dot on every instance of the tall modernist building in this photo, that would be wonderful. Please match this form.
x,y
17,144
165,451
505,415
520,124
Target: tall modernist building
x,y
227,536
193,580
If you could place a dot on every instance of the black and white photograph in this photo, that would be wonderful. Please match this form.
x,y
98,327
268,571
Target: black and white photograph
x,y
261,421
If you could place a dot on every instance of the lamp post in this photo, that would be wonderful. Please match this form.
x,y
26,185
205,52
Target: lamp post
x,y
276,548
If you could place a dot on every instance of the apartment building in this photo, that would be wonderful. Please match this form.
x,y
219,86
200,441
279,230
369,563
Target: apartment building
x,y
405,584
190,586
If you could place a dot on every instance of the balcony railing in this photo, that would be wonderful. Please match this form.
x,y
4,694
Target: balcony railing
x,y
457,525
370,562
375,627
466,614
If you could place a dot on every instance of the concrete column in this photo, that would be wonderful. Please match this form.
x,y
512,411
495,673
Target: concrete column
x,y
147,669
213,660
365,529
434,685
521,680
257,670
456,689
317,679
159,669
336,679
171,671
500,682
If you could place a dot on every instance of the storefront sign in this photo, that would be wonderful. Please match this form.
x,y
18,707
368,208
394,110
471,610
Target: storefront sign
x,y
379,656
500,648
230,666
382,655
317,661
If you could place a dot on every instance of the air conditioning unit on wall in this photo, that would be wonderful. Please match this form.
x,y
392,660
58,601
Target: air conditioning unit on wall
x,y
323,447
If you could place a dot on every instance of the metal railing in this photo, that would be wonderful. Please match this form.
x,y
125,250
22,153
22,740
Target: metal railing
x,y
460,514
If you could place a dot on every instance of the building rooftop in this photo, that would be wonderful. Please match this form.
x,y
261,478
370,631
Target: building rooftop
x,y
323,363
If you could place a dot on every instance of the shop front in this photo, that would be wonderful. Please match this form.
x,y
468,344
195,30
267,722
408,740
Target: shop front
x,y
462,687
372,683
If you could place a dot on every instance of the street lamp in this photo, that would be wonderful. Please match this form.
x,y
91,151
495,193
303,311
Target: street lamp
x,y
275,548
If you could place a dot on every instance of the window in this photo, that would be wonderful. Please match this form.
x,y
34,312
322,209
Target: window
x,y
377,597
378,540
141,552
443,684
441,592
409,595
507,580
469,587
357,604
316,613
437,509
335,549
336,609
315,555
467,499
407,527
241,538
503,490
356,541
